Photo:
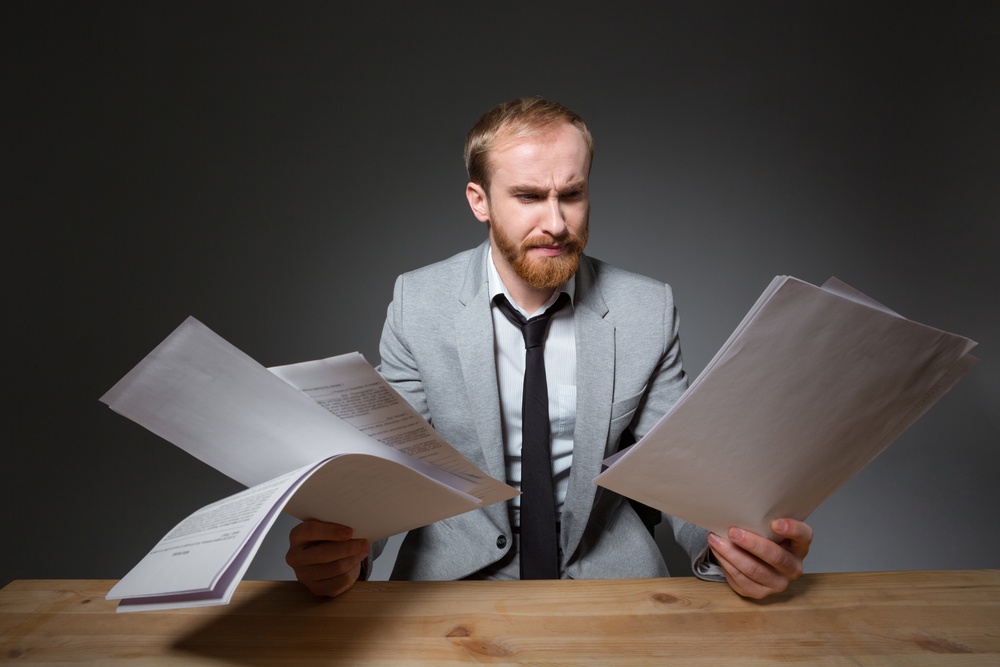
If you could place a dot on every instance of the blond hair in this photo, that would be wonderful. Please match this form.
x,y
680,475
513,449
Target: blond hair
x,y
511,120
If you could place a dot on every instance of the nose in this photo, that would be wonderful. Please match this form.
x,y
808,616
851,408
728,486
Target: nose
x,y
554,223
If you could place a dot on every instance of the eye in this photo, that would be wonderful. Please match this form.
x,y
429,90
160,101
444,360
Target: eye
x,y
526,197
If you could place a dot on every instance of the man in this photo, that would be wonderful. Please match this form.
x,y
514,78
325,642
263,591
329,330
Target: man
x,y
612,364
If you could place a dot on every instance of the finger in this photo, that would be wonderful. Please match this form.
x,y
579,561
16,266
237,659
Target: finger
x,y
309,553
331,586
739,581
328,574
776,557
747,573
797,535
329,569
318,531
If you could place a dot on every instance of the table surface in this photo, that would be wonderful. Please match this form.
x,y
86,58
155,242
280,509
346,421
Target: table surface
x,y
912,618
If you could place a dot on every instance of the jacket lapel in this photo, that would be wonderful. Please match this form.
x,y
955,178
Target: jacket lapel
x,y
595,373
474,340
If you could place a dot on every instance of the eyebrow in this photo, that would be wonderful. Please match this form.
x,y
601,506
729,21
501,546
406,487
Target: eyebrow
x,y
525,189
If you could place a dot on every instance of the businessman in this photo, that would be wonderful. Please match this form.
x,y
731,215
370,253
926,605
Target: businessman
x,y
537,362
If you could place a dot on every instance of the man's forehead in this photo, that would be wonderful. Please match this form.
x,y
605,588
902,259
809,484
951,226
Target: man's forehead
x,y
561,149
506,138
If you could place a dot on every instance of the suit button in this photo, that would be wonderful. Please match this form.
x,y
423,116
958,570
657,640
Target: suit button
x,y
501,542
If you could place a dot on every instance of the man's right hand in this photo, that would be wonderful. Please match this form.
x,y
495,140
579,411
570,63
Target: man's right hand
x,y
325,557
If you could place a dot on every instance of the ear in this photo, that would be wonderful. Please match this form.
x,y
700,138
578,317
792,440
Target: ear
x,y
478,201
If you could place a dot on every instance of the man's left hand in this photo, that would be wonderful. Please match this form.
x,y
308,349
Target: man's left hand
x,y
755,566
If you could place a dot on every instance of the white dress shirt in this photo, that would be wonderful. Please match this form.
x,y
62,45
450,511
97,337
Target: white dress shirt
x,y
560,376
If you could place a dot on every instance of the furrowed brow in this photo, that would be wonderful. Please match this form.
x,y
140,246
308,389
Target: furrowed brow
x,y
575,186
525,189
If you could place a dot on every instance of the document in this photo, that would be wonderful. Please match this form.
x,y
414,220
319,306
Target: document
x,y
349,387
812,385
326,440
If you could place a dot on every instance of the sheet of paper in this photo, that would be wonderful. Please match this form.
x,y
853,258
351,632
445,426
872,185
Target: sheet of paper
x,y
206,396
811,386
351,389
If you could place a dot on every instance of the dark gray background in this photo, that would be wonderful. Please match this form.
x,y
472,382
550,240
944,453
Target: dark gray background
x,y
271,167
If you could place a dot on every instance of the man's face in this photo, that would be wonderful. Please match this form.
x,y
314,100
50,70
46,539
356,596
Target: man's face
x,y
538,205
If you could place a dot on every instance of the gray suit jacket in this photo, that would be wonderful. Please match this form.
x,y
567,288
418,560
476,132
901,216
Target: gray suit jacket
x,y
437,350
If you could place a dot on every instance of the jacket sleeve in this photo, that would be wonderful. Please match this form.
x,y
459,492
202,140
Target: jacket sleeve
x,y
397,365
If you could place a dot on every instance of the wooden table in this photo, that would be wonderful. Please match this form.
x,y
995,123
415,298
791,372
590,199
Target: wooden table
x,y
911,618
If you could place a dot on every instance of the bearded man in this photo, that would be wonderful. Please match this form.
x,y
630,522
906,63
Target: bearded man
x,y
453,346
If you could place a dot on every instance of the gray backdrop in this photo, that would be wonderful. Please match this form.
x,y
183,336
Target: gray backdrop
x,y
271,167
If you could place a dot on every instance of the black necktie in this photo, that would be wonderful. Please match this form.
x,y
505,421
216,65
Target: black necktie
x,y
539,546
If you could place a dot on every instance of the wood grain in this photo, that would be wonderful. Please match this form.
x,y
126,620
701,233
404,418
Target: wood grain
x,y
911,618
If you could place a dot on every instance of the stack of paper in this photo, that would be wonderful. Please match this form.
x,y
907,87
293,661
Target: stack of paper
x,y
326,440
812,385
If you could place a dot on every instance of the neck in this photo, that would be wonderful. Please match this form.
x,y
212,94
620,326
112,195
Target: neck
x,y
528,298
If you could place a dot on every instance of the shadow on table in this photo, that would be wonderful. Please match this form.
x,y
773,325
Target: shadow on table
x,y
284,623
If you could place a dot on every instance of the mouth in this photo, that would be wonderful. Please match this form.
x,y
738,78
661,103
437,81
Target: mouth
x,y
550,250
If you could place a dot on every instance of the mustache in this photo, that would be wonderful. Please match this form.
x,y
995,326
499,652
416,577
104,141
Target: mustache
x,y
571,241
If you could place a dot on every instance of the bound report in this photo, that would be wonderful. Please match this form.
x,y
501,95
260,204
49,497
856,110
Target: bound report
x,y
327,440
812,385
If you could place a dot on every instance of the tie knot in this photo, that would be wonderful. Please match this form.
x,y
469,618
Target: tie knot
x,y
532,330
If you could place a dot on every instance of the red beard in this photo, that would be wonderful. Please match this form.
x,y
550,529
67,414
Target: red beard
x,y
541,272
